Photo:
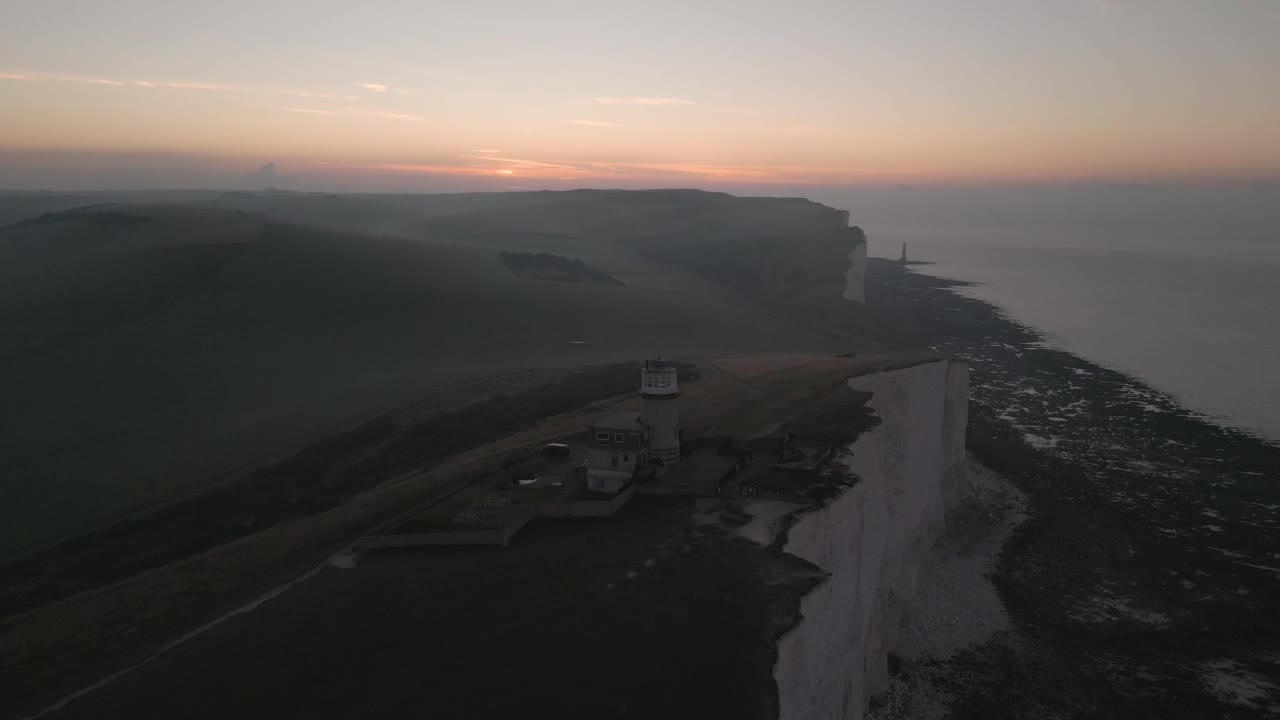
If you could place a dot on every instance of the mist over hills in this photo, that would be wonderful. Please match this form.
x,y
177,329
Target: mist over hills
x,y
153,343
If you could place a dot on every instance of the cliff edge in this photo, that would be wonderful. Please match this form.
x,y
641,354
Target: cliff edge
x,y
874,540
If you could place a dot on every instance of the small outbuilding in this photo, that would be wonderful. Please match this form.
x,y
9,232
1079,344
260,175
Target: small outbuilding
x,y
618,446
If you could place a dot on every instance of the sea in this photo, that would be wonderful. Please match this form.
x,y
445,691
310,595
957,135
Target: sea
x,y
1146,582
1178,286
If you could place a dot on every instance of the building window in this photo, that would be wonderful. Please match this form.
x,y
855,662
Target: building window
x,y
658,379
602,438
626,458
599,482
617,437
615,459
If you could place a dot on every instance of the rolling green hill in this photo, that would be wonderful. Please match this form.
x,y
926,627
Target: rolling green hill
x,y
148,348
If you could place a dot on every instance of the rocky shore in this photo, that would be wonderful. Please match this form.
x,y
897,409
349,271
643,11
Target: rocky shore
x,y
1144,583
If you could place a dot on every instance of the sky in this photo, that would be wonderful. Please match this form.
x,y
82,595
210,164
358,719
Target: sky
x,y
511,94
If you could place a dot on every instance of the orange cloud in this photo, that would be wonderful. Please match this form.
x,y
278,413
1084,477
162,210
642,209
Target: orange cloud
x,y
410,168
160,84
363,112
526,163
642,101
380,88
191,86
359,112
630,171
82,79
593,123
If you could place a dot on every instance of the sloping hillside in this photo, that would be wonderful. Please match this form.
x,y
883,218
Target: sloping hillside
x,y
802,273
142,359
16,205
88,236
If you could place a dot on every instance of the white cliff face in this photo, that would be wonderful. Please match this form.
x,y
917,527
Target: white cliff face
x,y
855,278
875,540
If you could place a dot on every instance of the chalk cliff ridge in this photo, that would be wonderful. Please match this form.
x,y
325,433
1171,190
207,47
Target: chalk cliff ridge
x,y
874,540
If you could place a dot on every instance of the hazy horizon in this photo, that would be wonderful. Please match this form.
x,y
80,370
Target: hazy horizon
x,y
390,95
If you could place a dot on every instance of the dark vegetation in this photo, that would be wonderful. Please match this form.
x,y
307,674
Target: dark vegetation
x,y
833,419
551,626
156,344
828,423
553,267
495,418
833,422
801,274
311,481
71,305
765,265
97,215
647,215
218,333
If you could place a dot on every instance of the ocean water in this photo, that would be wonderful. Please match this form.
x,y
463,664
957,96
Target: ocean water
x,y
1179,288
1200,326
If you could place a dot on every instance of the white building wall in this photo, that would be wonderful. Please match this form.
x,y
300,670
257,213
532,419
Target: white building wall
x,y
601,458
606,480
603,475
662,415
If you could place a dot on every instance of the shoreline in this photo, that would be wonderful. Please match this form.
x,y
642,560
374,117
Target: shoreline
x,y
1185,398
1142,584
1128,591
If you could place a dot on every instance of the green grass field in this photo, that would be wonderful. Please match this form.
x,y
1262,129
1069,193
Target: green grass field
x,y
136,376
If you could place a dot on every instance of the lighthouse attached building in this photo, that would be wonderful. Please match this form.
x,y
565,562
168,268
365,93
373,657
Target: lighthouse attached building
x,y
623,442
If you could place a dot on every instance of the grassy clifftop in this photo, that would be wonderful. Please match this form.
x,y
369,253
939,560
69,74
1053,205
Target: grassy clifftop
x,y
144,361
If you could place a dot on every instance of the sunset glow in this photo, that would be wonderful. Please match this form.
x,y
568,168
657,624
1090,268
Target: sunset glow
x,y
839,93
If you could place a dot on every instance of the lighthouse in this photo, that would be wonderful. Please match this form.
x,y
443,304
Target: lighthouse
x,y
660,395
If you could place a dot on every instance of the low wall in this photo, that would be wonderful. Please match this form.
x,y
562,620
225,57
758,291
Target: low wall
x,y
585,508
702,474
699,490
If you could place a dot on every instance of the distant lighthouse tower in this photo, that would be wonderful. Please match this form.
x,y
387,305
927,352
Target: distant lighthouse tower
x,y
903,259
661,411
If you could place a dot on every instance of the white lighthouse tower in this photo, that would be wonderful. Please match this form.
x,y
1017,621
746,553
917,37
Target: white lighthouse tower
x,y
661,410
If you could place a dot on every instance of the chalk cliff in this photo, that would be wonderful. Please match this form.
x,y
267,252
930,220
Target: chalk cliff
x,y
855,276
874,540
